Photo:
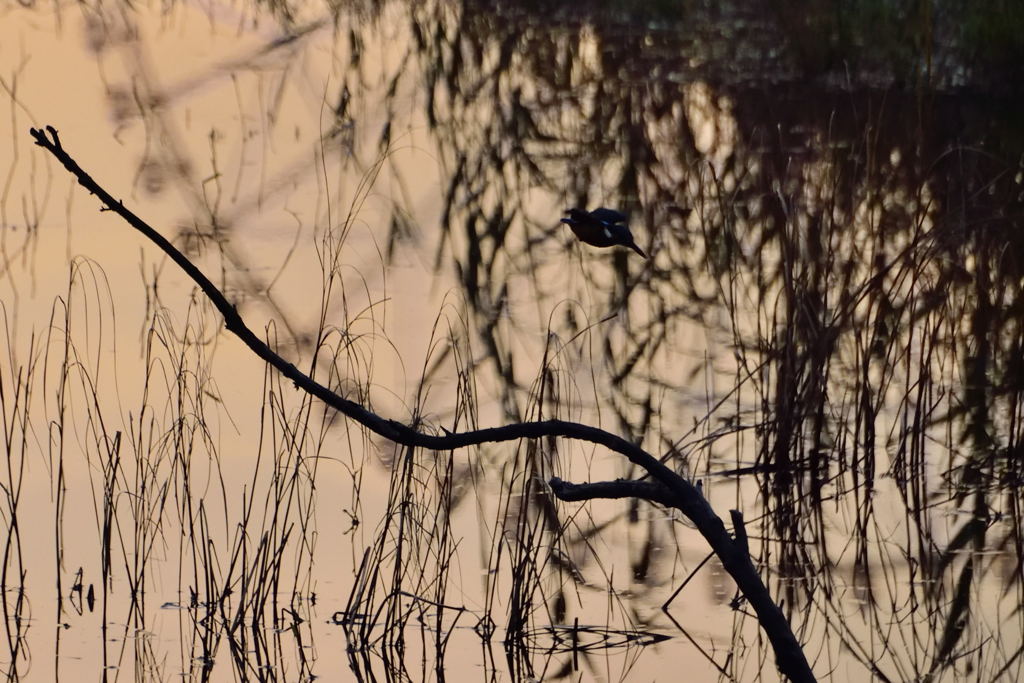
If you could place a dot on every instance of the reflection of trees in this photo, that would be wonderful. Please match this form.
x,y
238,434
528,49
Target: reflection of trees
x,y
856,251
221,194
853,257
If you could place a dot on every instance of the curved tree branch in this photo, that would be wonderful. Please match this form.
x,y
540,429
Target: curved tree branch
x,y
684,496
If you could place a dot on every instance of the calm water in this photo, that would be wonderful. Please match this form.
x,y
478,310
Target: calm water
x,y
827,337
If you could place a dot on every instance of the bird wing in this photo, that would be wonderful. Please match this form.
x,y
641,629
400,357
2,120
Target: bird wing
x,y
609,216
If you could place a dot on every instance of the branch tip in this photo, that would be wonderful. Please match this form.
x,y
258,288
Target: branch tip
x,y
40,137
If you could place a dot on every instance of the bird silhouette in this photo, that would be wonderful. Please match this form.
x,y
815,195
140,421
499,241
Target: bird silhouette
x,y
601,228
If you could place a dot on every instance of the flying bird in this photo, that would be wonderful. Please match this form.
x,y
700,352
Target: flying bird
x,y
601,228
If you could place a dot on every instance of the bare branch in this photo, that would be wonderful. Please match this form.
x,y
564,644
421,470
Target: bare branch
x,y
672,490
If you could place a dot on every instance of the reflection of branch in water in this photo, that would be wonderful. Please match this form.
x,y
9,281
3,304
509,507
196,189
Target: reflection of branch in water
x,y
166,158
671,488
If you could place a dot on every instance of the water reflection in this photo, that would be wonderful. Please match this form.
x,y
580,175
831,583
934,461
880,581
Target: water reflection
x,y
852,252
827,335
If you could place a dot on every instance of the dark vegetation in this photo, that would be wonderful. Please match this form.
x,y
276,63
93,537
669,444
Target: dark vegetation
x,y
842,217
